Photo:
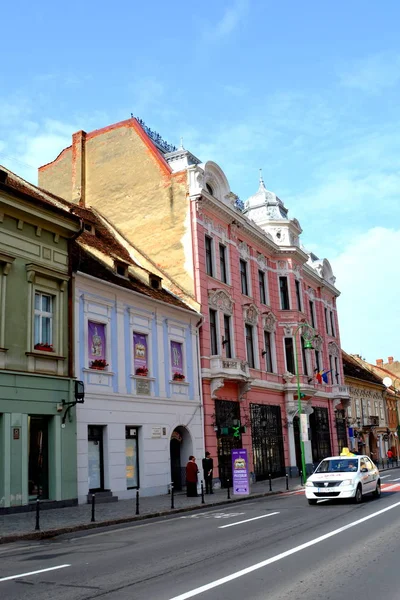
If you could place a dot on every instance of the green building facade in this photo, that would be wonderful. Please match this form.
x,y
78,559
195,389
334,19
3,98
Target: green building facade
x,y
37,432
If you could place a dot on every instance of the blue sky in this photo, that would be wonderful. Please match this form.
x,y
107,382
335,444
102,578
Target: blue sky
x,y
307,91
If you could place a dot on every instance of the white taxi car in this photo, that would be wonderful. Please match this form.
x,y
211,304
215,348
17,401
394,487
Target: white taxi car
x,y
343,477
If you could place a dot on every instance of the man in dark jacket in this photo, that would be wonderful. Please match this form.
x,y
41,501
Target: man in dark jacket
x,y
208,465
191,478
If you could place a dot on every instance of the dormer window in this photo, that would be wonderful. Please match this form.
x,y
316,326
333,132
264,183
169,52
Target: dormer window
x,y
209,189
155,281
121,269
89,228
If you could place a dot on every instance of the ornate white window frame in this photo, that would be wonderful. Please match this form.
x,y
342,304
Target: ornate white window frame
x,y
103,316
142,323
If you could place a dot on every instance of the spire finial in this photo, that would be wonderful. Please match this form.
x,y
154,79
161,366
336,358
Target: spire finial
x,y
181,146
262,184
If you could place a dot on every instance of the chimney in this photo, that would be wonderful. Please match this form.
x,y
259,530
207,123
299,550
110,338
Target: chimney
x,y
379,362
78,168
390,360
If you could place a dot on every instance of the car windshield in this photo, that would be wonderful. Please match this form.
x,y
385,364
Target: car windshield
x,y
338,465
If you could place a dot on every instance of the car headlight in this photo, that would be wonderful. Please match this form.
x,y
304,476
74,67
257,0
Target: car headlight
x,y
309,484
347,482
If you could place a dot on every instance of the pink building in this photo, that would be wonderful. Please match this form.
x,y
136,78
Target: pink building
x,y
244,267
256,285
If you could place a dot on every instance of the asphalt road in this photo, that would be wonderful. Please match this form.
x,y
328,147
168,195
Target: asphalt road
x,y
274,548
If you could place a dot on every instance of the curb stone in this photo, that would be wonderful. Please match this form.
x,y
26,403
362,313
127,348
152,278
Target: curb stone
x,y
52,533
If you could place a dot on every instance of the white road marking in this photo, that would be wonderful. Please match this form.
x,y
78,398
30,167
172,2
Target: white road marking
x,y
33,573
273,559
214,515
390,487
398,479
384,476
248,520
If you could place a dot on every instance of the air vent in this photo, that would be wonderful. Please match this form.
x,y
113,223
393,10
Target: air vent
x,y
121,269
155,281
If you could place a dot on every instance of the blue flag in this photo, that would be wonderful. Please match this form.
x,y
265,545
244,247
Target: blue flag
x,y
325,376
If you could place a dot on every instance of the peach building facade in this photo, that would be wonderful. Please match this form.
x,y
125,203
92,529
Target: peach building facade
x,y
243,266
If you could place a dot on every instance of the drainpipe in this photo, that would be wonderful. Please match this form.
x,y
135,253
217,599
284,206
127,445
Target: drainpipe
x,y
200,380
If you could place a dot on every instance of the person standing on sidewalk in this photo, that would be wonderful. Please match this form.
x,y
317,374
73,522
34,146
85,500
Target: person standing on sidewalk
x,y
191,478
208,466
389,455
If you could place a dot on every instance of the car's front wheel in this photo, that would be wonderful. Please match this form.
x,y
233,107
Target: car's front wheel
x,y
358,495
312,502
377,492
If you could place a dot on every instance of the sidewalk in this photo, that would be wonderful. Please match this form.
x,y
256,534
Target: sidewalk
x,y
53,522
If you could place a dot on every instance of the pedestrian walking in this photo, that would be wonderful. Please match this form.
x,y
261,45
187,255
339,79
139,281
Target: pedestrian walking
x,y
191,478
208,466
389,455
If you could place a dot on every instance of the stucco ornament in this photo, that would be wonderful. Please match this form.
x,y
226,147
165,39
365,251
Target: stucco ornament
x,y
250,314
220,300
262,263
333,349
243,250
269,322
317,342
288,377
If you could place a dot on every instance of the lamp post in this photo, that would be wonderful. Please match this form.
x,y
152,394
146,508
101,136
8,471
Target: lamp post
x,y
307,334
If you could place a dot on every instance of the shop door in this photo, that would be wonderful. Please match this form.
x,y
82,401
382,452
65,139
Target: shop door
x,y
227,415
297,444
320,434
267,441
95,458
38,461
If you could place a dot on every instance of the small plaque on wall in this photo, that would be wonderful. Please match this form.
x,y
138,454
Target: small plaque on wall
x,y
156,432
16,433
143,387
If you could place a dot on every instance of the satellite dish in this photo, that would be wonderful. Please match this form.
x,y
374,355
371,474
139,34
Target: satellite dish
x,y
387,382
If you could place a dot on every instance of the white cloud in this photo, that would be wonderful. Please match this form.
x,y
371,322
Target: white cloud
x,y
229,21
372,74
369,309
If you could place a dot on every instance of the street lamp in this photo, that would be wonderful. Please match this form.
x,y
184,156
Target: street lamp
x,y
307,334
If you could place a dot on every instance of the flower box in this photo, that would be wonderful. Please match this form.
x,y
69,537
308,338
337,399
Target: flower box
x,y
142,371
178,377
98,364
44,347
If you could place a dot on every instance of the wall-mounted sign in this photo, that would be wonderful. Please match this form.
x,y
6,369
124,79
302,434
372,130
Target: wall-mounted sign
x,y
304,427
16,433
156,432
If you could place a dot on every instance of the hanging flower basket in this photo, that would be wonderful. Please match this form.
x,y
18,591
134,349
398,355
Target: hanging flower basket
x,y
178,377
99,364
142,371
44,347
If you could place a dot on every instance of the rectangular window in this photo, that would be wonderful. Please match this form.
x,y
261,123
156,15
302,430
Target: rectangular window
x,y
222,263
332,324
140,354
131,458
227,336
382,414
298,294
209,256
284,293
268,352
317,360
177,360
337,370
304,356
312,314
250,346
289,351
326,321
43,328
243,277
213,332
261,283
97,344
331,368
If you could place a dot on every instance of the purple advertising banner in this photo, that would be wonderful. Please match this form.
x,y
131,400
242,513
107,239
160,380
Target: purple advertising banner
x,y
140,350
96,341
240,472
177,358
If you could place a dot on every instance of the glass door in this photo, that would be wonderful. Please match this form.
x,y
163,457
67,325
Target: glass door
x,y
95,458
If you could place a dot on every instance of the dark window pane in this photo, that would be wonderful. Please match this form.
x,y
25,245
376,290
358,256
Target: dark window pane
x,y
284,293
336,369
317,360
332,324
227,336
243,277
298,294
312,316
222,262
209,261
304,354
213,332
289,350
250,346
261,283
268,351
326,320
